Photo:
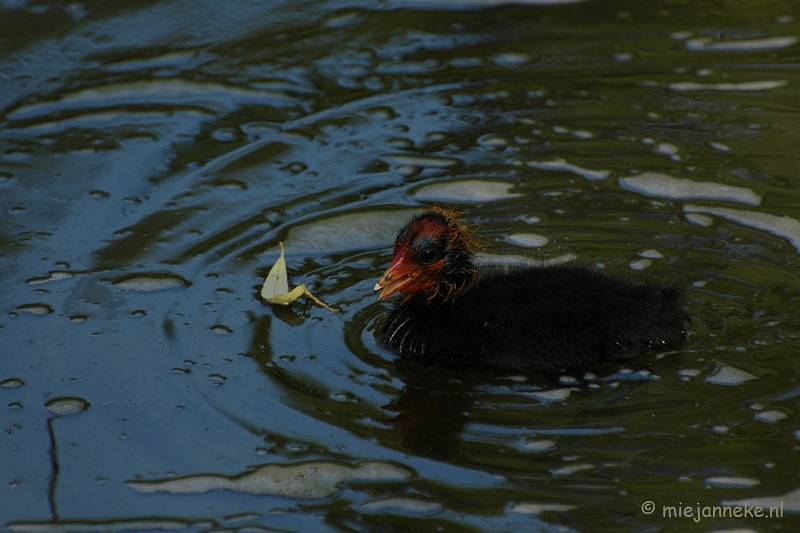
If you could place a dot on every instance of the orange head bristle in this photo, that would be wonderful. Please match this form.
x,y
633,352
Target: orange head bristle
x,y
432,257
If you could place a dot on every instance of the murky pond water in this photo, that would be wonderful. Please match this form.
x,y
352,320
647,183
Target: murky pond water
x,y
152,157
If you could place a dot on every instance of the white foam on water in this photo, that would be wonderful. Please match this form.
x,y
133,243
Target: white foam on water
x,y
746,86
538,508
744,45
670,187
467,191
781,226
552,395
732,482
151,282
569,470
562,165
771,416
408,505
530,240
312,480
700,220
350,231
728,375
541,445
651,254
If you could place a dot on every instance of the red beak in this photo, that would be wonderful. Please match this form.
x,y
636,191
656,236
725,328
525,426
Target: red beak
x,y
399,274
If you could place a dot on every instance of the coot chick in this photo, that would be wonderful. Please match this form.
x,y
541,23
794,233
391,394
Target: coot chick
x,y
516,318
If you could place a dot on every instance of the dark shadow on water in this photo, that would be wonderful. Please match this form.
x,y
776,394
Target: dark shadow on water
x,y
431,412
435,405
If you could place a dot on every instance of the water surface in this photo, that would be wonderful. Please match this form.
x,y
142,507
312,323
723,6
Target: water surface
x,y
153,156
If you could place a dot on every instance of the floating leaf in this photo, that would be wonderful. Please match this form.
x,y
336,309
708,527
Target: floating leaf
x,y
276,286
288,297
277,281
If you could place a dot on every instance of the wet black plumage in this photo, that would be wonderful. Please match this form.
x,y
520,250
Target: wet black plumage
x,y
517,318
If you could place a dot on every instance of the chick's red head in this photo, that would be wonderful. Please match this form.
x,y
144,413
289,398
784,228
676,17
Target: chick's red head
x,y
432,257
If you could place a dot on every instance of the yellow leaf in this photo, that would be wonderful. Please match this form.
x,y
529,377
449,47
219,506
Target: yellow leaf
x,y
276,286
288,297
277,281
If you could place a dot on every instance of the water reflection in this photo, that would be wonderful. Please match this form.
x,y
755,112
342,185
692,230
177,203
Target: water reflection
x,y
172,146
432,410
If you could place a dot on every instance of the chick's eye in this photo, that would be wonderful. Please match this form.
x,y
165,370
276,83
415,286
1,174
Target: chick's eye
x,y
427,255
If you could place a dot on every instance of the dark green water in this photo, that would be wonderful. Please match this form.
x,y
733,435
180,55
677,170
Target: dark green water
x,y
152,156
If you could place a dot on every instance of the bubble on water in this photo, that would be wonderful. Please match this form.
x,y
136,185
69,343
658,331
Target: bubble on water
x,y
530,240
221,329
37,309
217,379
728,375
771,416
55,275
311,480
664,186
150,282
539,445
641,264
66,406
11,383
